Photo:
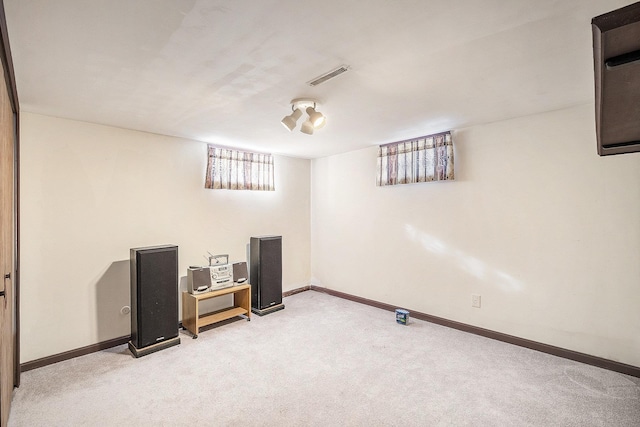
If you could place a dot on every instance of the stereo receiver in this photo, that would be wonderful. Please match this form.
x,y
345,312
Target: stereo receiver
x,y
221,276
211,278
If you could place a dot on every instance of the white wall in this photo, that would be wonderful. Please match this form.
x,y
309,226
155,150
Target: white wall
x,y
539,225
547,232
89,193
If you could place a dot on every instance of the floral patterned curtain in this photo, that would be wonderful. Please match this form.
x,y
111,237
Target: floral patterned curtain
x,y
424,159
239,170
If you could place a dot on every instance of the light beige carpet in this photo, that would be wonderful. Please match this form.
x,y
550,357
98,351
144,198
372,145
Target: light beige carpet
x,y
325,361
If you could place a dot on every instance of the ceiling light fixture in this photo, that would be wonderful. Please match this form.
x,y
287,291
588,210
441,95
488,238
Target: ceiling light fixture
x,y
316,119
290,121
307,127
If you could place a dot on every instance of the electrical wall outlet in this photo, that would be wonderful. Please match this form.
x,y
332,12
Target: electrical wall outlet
x,y
475,301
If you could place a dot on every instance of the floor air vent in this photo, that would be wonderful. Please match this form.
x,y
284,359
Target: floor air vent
x,y
331,74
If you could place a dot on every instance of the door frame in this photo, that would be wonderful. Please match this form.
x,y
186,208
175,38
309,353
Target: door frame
x,y
7,63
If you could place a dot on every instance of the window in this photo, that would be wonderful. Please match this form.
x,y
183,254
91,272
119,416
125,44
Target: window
x,y
239,170
424,159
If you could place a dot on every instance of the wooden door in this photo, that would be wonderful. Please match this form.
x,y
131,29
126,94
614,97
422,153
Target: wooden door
x,y
7,253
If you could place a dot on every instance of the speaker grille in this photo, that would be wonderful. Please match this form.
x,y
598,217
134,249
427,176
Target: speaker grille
x,y
266,271
154,294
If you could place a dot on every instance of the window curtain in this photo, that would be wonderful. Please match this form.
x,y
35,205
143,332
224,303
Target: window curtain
x,y
424,159
239,170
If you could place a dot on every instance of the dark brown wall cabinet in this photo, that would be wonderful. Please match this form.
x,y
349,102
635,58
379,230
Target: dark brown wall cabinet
x,y
616,54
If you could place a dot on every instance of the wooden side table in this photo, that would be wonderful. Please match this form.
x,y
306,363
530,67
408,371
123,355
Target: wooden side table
x,y
193,321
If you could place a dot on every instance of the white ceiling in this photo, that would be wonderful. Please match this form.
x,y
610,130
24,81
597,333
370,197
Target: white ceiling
x,y
224,71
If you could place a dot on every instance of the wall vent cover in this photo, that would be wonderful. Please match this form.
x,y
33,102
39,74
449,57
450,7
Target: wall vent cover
x,y
327,76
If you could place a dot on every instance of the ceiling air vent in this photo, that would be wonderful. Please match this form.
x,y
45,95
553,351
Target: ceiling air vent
x,y
331,74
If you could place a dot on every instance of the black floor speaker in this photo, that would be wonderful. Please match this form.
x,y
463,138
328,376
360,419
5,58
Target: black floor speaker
x,y
265,274
154,299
